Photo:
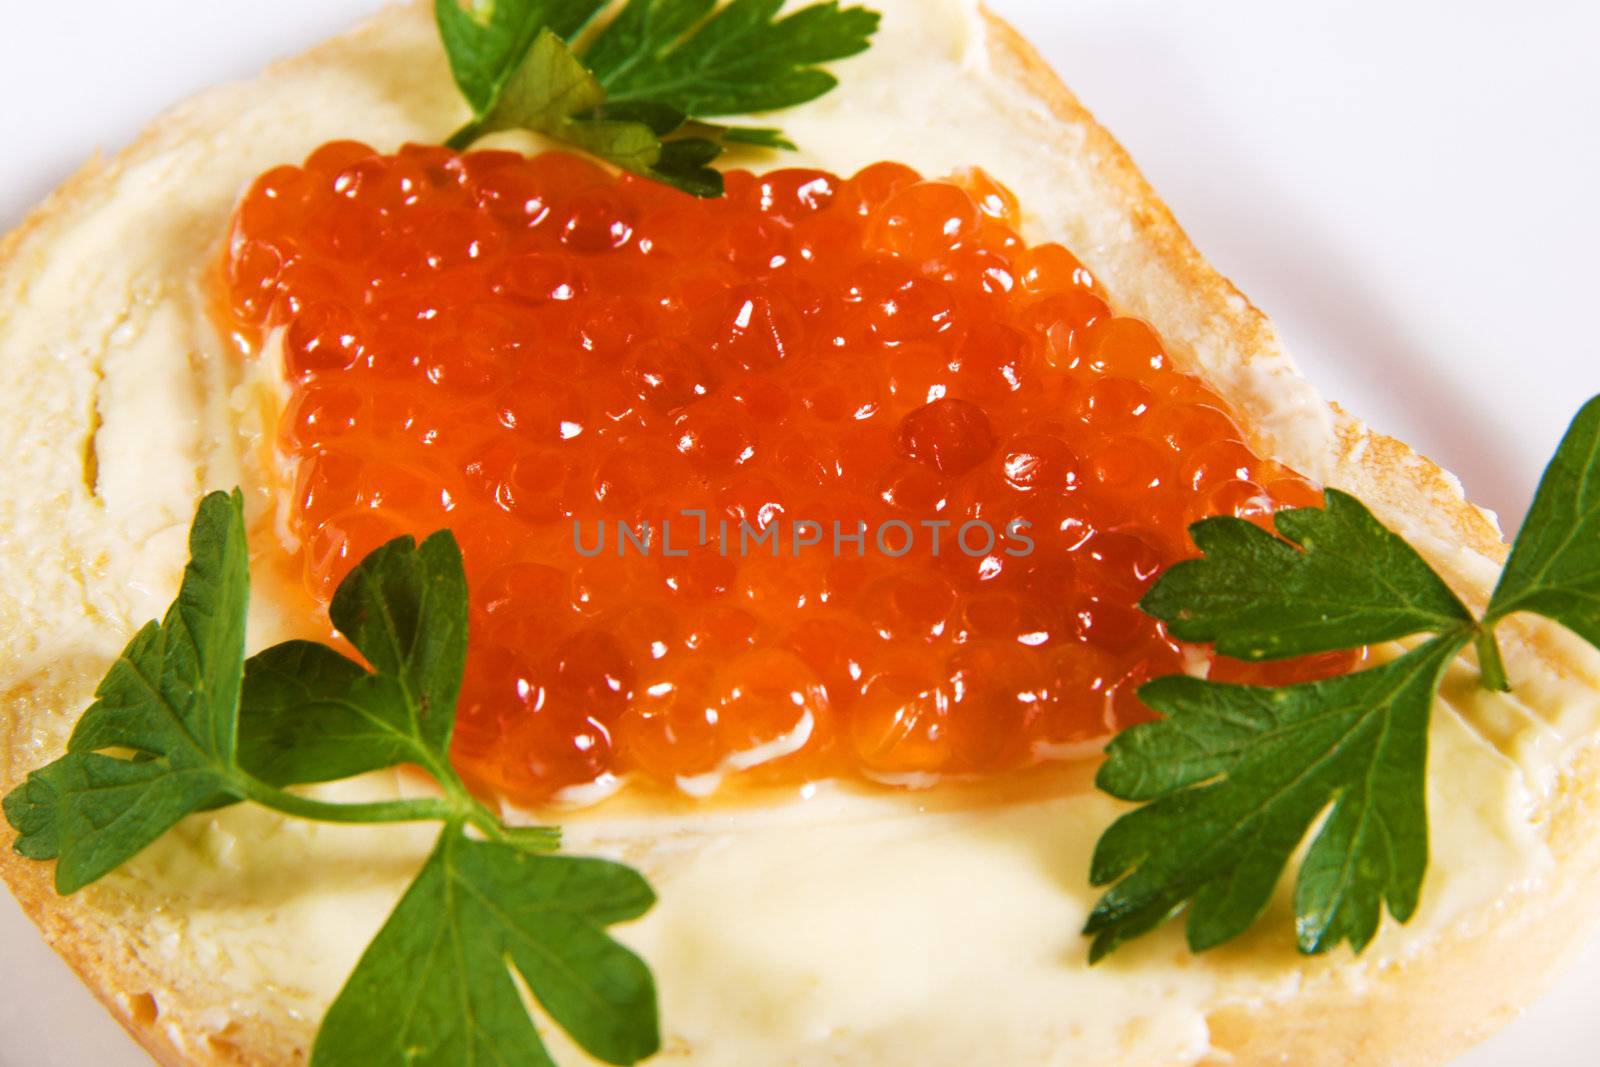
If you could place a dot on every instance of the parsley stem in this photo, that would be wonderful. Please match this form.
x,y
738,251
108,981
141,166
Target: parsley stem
x,y
421,810
462,139
534,838
1490,666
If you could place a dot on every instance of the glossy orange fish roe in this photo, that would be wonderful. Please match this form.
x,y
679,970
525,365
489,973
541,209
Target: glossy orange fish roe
x,y
506,345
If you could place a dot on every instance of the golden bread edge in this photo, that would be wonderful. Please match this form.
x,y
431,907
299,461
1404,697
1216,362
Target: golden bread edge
x,y
1421,1011
94,944
90,944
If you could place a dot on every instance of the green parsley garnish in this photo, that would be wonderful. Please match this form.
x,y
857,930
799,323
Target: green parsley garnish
x,y
638,91
183,722
1234,777
435,985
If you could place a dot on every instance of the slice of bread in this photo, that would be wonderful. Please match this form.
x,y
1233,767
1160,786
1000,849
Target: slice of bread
x,y
935,936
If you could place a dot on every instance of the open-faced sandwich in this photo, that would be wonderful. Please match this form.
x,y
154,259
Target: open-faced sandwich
x,y
727,569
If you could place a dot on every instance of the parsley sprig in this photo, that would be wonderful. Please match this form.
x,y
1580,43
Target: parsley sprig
x,y
1233,778
638,91
183,723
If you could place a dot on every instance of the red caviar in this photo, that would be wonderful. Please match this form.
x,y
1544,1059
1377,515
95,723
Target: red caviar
x,y
529,351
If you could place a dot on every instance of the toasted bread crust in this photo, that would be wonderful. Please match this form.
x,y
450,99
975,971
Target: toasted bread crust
x,y
161,1011
1422,1010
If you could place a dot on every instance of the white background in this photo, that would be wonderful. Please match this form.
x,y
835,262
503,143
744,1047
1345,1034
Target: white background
x,y
1409,189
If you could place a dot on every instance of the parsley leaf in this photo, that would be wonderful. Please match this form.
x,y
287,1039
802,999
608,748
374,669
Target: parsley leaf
x,y
1554,567
310,714
435,985
32,809
1235,776
486,39
307,715
172,698
638,92
405,610
641,30
165,738
1337,578
552,93
742,59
